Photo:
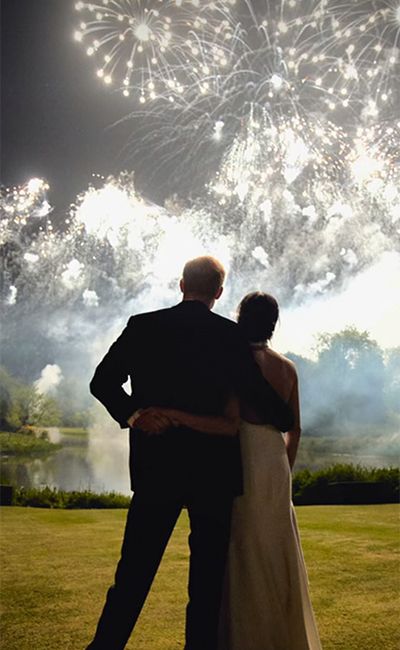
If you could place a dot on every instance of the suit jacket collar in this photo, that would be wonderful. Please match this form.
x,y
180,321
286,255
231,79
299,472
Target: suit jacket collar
x,y
192,305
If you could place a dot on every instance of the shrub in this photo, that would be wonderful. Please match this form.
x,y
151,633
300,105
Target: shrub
x,y
308,487
313,487
53,498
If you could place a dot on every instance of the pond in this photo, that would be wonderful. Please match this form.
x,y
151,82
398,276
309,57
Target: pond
x,y
98,460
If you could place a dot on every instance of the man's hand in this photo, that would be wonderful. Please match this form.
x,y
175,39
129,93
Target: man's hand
x,y
154,420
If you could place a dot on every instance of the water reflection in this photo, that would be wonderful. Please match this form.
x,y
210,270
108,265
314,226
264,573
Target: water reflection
x,y
98,461
81,464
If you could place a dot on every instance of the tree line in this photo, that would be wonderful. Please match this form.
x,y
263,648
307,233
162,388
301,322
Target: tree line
x,y
351,383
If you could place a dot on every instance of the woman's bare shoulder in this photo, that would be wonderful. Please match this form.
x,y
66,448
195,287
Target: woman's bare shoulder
x,y
282,360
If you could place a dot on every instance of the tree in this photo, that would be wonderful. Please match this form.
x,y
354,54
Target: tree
x,y
350,378
306,371
74,400
392,380
22,405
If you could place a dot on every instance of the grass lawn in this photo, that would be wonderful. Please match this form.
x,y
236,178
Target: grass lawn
x,y
57,564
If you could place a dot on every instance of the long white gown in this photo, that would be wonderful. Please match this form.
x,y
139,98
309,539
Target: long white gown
x,y
266,603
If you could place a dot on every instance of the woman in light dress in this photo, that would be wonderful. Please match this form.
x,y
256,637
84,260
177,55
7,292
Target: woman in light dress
x,y
266,603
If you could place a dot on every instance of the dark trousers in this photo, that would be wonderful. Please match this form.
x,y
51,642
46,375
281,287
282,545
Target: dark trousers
x,y
148,528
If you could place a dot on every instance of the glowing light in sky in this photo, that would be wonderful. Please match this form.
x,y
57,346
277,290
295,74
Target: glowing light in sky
x,y
154,47
29,200
35,185
72,274
331,312
12,295
289,54
266,153
289,107
90,298
112,214
118,215
364,166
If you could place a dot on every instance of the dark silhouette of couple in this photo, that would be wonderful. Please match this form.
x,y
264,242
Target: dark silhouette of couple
x,y
209,402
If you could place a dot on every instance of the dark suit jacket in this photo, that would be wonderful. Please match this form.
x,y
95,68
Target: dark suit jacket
x,y
189,358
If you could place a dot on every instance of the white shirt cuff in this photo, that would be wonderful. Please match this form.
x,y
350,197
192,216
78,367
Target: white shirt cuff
x,y
135,416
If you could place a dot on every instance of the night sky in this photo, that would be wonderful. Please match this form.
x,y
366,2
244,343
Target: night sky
x,y
285,208
56,118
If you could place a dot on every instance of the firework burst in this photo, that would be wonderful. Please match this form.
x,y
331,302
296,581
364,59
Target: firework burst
x,y
283,55
279,153
362,45
155,49
22,202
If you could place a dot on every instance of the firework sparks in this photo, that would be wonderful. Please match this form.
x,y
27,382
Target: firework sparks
x,y
274,154
364,54
29,200
262,97
155,48
285,55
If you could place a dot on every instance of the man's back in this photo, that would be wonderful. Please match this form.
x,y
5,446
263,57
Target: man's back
x,y
181,357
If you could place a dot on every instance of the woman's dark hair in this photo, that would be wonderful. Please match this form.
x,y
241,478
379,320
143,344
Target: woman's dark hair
x,y
257,316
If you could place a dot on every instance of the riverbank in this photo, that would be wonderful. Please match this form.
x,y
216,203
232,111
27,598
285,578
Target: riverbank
x,y
26,444
337,484
74,459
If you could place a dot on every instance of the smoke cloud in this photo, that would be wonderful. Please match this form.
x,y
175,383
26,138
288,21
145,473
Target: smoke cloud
x,y
367,301
49,379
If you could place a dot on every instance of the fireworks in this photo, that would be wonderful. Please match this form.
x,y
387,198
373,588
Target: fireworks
x,y
29,200
324,64
112,244
268,155
198,72
365,53
156,48
278,119
277,54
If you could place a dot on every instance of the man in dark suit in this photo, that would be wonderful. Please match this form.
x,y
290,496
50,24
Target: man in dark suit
x,y
187,358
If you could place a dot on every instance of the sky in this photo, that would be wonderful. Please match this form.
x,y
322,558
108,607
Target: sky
x,y
56,123
56,117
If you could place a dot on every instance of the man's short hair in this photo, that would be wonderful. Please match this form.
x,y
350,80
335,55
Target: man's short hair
x,y
203,276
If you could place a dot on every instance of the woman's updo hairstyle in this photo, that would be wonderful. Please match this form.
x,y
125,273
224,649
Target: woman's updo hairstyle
x,y
257,316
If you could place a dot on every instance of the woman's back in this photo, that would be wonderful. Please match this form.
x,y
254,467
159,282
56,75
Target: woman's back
x,y
281,373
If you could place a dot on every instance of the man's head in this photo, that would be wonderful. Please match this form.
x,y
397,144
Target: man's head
x,y
202,279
